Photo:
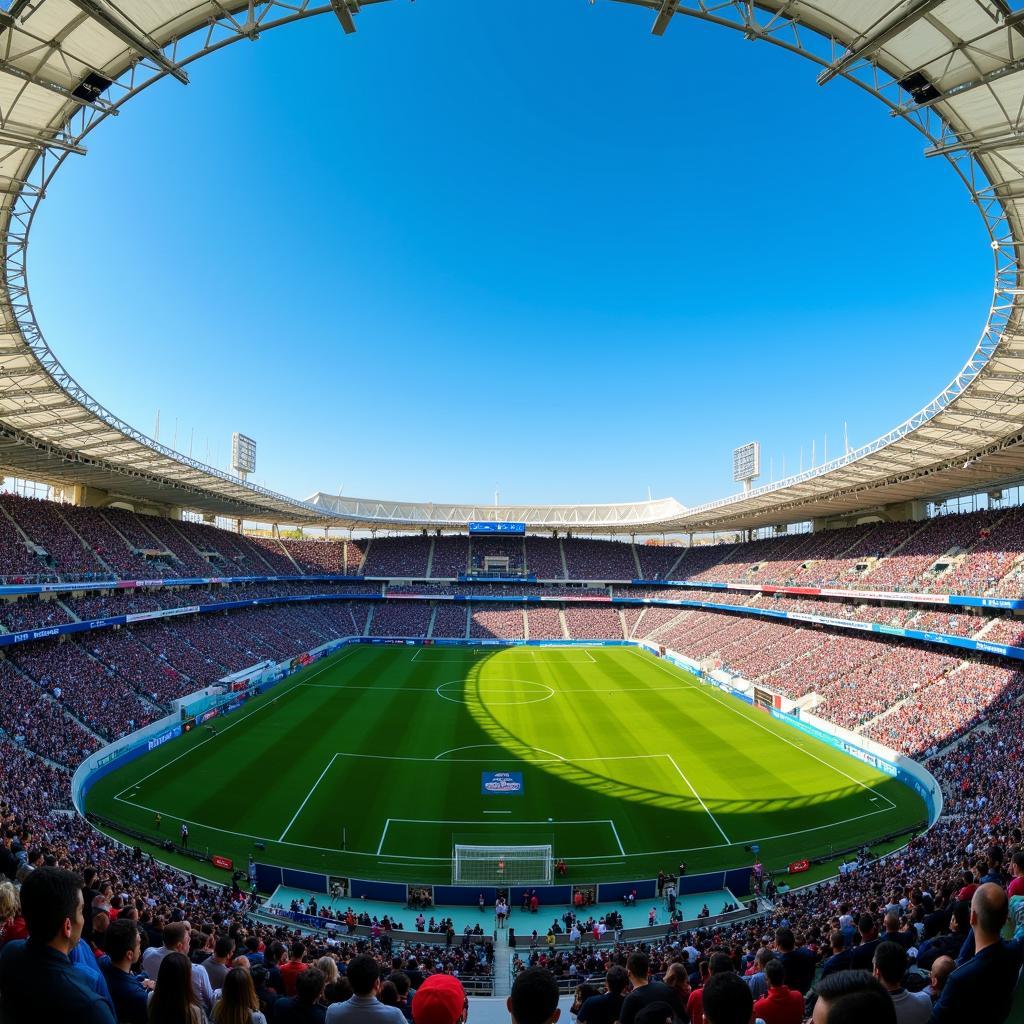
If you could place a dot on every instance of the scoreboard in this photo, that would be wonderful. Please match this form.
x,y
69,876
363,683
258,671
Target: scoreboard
x,y
506,529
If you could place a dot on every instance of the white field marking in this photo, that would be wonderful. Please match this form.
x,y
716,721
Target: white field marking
x,y
237,721
596,858
384,832
618,841
700,799
557,691
498,703
796,746
308,795
491,760
497,812
266,839
449,821
487,746
470,655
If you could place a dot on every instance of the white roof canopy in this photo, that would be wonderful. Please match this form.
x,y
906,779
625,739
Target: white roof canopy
x,y
954,69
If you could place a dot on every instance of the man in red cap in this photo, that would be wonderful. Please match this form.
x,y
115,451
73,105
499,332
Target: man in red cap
x,y
441,999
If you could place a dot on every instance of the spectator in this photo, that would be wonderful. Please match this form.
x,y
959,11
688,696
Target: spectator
x,y
238,1003
441,999
605,1009
293,967
173,1000
303,1007
727,999
364,1007
12,923
940,972
799,963
216,966
890,968
852,997
981,987
645,991
841,958
534,998
719,963
175,940
37,979
129,992
782,1005
864,954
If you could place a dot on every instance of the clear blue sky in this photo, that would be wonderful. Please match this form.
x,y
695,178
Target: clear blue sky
x,y
530,246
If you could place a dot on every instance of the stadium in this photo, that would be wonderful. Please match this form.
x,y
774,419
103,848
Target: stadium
x,y
785,722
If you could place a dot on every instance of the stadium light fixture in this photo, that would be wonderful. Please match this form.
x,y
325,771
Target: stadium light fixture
x,y
119,26
869,43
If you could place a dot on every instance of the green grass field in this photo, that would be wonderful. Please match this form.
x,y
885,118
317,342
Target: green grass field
x,y
628,765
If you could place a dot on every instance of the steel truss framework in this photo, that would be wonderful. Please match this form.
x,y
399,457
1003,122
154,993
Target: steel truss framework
x,y
966,99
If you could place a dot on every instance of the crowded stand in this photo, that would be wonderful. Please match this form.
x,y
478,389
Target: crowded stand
x,y
450,558
318,557
451,621
599,559
544,623
544,558
910,697
38,723
398,556
91,691
593,623
945,710
32,614
882,682
657,560
42,522
15,557
401,618
503,623
507,553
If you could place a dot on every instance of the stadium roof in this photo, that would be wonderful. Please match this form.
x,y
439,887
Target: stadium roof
x,y
954,69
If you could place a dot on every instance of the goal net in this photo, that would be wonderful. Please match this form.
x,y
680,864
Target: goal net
x,y
502,865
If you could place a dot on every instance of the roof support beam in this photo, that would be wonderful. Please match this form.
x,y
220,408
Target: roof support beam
x,y
866,44
668,8
978,144
31,140
131,36
344,13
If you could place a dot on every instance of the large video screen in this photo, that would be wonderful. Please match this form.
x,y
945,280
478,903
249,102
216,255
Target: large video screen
x,y
516,529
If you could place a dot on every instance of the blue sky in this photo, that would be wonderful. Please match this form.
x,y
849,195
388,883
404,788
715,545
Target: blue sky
x,y
531,247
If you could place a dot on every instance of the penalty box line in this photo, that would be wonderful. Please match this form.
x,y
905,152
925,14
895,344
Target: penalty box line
x,y
448,821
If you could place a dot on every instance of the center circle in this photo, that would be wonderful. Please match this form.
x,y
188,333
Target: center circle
x,y
508,690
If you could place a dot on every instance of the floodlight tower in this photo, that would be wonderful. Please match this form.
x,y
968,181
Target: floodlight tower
x,y
243,454
746,464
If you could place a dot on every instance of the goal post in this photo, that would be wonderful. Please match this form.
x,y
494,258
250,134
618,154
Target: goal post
x,y
503,865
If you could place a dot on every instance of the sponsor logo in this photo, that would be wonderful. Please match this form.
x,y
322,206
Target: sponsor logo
x,y
992,648
501,783
164,737
222,862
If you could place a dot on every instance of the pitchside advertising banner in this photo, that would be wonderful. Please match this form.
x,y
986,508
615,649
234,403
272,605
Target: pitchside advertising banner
x,y
501,783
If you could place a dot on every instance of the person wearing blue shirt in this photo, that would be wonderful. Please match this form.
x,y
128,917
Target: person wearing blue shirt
x,y
38,981
981,987
129,992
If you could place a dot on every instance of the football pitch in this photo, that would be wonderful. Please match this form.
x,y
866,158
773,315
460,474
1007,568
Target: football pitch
x,y
371,763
